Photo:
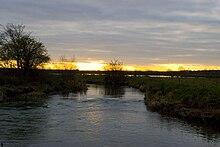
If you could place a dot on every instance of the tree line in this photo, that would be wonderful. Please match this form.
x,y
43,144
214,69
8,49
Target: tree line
x,y
20,49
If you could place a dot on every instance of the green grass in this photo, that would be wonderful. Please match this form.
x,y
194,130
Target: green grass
x,y
196,99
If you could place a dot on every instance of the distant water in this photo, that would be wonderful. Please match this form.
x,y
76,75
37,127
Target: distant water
x,y
102,117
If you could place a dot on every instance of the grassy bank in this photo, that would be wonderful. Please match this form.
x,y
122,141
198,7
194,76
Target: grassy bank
x,y
194,99
14,86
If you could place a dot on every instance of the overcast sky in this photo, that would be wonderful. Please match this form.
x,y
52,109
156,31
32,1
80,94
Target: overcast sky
x,y
141,32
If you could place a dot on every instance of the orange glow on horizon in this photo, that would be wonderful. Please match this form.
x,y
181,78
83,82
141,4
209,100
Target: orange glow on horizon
x,y
155,67
90,66
99,66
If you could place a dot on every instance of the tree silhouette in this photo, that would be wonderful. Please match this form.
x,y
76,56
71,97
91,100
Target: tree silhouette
x,y
114,75
20,48
114,65
67,64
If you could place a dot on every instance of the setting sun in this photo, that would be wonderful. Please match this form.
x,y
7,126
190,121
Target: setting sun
x,y
90,66
110,73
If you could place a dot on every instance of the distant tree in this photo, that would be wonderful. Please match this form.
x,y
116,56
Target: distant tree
x,y
67,64
20,49
114,65
114,73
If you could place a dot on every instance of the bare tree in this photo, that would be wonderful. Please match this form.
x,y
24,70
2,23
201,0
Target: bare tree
x,y
114,65
20,48
114,75
67,64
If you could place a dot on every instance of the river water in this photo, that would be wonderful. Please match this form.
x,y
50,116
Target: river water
x,y
102,117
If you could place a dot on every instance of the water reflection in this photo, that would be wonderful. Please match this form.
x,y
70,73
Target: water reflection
x,y
21,122
113,92
208,132
104,116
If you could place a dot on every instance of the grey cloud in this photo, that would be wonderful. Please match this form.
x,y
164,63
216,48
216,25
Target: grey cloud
x,y
139,32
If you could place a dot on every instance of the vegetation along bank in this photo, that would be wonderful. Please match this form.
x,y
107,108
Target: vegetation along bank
x,y
40,83
193,99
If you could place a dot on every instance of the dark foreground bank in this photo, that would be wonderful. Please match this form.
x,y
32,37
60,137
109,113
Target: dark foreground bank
x,y
36,85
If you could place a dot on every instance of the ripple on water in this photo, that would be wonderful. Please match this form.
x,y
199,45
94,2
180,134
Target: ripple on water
x,y
99,118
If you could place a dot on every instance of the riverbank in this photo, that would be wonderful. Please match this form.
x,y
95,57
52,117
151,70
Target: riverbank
x,y
98,118
38,85
191,99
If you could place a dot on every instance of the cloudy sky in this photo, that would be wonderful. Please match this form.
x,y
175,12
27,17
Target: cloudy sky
x,y
138,32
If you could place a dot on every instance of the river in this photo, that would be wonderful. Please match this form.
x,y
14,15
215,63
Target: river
x,y
102,116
